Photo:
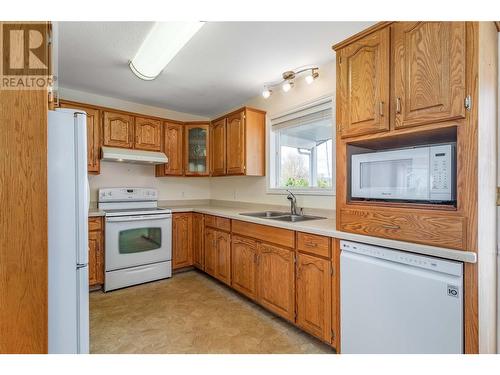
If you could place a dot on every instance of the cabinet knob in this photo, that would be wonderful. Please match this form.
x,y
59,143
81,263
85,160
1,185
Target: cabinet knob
x,y
398,105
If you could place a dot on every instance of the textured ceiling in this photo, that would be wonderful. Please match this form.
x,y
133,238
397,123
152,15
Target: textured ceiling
x,y
222,66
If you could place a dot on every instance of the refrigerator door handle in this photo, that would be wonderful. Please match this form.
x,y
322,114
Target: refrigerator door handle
x,y
82,202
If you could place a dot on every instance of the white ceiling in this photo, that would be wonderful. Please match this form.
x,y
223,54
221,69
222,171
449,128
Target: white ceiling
x,y
222,66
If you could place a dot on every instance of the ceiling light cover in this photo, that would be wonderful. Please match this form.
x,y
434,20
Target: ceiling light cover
x,y
161,45
266,93
286,86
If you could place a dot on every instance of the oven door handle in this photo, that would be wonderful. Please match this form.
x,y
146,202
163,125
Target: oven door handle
x,y
116,219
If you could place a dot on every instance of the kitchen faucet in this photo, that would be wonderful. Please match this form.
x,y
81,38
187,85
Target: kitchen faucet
x,y
293,203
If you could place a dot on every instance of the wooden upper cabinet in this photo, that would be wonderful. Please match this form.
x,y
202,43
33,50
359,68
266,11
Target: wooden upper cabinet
x,y
118,130
223,257
244,266
314,296
182,252
429,61
276,280
363,85
235,148
197,149
147,134
218,145
173,140
93,135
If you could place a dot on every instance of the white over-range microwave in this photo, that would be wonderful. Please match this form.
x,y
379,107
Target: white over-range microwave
x,y
426,174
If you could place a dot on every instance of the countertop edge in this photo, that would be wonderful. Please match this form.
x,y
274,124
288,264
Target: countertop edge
x,y
458,255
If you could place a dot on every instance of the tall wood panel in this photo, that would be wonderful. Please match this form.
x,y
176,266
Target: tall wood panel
x,y
23,221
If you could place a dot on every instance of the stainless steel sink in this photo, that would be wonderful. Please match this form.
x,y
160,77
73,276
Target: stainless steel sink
x,y
282,216
296,218
265,214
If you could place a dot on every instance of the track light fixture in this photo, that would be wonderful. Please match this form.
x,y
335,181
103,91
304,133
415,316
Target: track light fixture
x,y
288,80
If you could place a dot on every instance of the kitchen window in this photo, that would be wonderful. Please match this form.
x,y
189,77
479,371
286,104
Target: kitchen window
x,y
302,153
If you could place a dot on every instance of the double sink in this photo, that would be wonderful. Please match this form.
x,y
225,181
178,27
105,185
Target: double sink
x,y
282,216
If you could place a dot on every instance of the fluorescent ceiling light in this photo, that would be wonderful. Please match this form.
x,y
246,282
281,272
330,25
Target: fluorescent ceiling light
x,y
161,45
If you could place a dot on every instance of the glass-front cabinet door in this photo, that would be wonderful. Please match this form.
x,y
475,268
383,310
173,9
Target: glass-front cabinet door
x,y
196,150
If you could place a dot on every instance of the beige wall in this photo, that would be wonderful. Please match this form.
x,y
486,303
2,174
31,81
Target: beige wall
x,y
238,188
134,175
253,189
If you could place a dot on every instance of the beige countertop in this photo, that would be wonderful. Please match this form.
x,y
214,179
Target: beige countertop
x,y
324,227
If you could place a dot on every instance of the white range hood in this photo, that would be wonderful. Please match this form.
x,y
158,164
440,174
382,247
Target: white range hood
x,y
133,156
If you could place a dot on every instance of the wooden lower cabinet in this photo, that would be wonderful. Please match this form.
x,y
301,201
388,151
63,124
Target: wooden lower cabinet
x,y
182,250
218,254
276,280
223,257
244,254
314,296
210,251
198,237
96,252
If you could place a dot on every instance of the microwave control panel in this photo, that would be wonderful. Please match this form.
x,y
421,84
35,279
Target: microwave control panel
x,y
442,172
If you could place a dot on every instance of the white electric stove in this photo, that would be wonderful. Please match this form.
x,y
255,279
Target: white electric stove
x,y
138,237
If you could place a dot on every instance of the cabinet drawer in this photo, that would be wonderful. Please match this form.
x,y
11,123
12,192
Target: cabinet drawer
x,y
95,223
218,222
266,233
314,244
426,228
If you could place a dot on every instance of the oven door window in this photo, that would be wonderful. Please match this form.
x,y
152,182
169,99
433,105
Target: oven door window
x,y
139,240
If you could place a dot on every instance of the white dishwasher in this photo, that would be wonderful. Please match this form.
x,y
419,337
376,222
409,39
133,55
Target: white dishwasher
x,y
397,302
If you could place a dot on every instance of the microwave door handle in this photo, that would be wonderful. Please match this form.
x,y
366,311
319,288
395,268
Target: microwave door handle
x,y
122,219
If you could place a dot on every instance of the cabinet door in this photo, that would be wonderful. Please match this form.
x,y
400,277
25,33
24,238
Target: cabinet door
x,y
93,267
182,254
210,251
219,148
244,266
198,250
314,296
147,134
196,150
429,72
173,149
276,280
235,153
118,130
93,136
223,258
363,85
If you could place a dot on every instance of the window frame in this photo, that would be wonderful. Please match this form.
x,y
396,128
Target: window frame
x,y
274,152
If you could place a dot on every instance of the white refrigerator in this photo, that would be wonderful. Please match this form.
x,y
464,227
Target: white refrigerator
x,y
68,202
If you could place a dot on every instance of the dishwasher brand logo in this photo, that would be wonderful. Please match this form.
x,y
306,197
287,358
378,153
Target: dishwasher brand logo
x,y
25,61
452,291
